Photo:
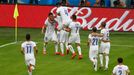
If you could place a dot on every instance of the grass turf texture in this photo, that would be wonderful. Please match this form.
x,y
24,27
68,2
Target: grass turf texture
x,y
12,61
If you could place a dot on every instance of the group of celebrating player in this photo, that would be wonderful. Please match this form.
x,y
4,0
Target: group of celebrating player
x,y
66,26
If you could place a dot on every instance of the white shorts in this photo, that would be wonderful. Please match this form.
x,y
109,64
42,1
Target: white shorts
x,y
29,61
63,36
104,48
50,37
74,39
93,52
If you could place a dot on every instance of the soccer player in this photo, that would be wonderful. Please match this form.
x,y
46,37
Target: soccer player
x,y
50,34
62,11
74,28
121,69
29,50
93,40
105,45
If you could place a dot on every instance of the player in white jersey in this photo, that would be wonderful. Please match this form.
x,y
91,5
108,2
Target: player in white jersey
x,y
74,28
50,34
121,69
62,12
29,50
105,46
93,43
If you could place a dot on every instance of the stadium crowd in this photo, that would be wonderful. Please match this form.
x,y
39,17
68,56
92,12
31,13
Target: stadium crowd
x,y
95,3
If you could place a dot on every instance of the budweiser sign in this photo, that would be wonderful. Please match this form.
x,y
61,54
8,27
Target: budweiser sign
x,y
89,19
116,19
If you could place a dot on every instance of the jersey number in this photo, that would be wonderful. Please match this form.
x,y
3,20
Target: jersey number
x,y
77,28
29,48
95,41
66,12
120,72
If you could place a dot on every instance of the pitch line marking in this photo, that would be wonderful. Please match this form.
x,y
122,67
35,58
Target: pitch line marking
x,y
7,44
42,42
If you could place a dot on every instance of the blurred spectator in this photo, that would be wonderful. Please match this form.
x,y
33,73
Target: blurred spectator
x,y
132,3
12,1
65,2
99,3
107,3
33,1
119,3
3,1
84,3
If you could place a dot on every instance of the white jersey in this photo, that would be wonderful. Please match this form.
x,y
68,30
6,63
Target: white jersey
x,y
63,11
105,32
120,70
94,42
28,48
75,27
59,20
50,27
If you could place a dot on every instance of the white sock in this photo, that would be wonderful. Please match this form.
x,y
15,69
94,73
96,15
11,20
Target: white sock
x,y
62,48
45,47
101,59
71,48
30,73
95,64
107,61
66,46
79,50
56,47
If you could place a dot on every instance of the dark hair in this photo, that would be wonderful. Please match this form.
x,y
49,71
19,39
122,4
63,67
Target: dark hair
x,y
82,2
63,2
120,60
116,3
74,17
58,4
27,36
50,14
94,29
103,24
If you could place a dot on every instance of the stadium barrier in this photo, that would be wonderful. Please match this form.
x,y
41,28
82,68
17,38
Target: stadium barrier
x,y
33,16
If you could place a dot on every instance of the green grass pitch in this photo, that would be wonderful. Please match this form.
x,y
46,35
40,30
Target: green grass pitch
x,y
12,61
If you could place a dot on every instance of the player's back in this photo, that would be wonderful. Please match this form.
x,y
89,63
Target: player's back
x,y
120,70
63,13
94,41
75,27
105,33
28,47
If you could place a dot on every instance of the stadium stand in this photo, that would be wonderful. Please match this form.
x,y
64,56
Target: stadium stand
x,y
104,3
